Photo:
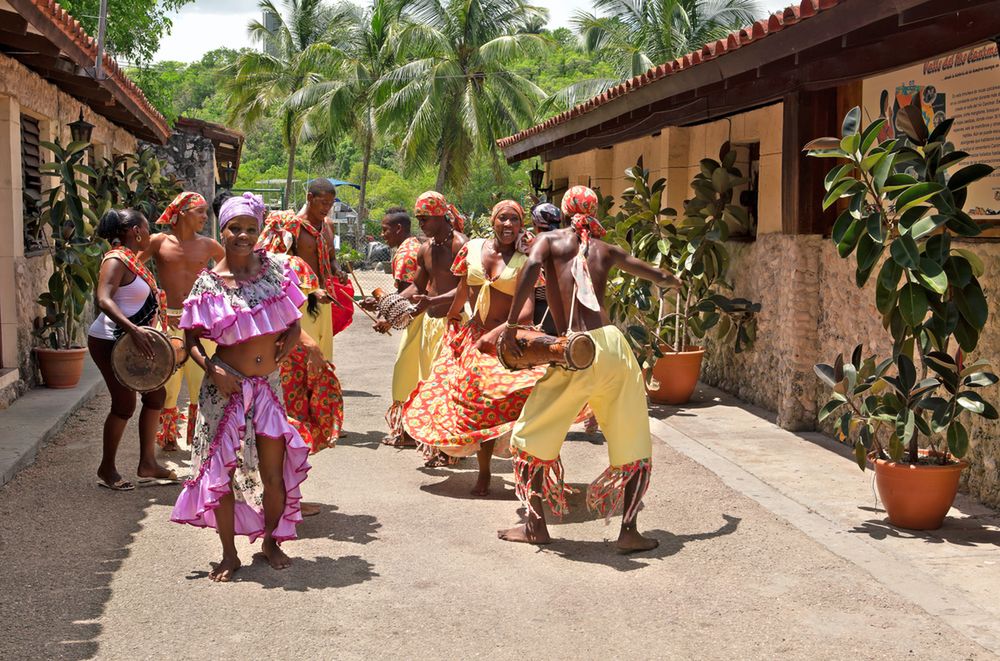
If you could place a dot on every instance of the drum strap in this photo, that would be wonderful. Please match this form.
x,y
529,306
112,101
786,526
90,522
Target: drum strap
x,y
145,316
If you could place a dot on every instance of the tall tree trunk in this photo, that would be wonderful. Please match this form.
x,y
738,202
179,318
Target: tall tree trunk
x,y
442,171
366,158
289,202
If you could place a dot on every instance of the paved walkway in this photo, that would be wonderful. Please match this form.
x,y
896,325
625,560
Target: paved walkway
x,y
760,556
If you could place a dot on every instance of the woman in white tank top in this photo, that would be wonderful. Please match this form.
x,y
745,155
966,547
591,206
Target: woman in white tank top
x,y
128,299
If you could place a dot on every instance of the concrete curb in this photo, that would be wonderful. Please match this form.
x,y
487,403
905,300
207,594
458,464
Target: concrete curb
x,y
905,579
37,416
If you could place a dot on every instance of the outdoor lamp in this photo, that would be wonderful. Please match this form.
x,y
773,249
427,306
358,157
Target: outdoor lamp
x,y
536,175
227,175
81,129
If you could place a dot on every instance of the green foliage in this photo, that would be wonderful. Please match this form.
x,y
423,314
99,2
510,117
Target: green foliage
x,y
693,248
133,181
135,27
903,208
76,257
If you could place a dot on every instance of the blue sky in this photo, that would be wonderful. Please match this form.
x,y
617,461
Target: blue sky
x,y
208,24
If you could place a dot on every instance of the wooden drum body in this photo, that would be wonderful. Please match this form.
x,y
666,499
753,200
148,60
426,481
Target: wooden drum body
x,y
138,373
575,351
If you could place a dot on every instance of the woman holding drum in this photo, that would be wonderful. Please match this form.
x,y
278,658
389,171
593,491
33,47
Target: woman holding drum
x,y
470,400
248,461
130,304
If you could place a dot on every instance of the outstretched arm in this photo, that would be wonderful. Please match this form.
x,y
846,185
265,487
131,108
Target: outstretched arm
x,y
639,268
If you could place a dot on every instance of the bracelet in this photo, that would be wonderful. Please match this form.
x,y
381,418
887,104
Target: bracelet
x,y
521,326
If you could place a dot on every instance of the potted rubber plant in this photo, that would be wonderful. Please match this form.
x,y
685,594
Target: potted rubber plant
x,y
902,213
667,333
76,260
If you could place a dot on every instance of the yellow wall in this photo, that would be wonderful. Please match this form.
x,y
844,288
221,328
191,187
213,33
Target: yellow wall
x,y
675,154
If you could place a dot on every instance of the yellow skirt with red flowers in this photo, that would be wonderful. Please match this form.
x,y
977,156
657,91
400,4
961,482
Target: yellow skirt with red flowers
x,y
468,398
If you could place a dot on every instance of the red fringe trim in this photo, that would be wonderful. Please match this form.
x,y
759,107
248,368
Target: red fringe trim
x,y
192,416
394,419
170,422
554,489
607,493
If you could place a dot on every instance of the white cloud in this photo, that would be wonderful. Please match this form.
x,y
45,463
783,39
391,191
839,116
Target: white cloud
x,y
205,25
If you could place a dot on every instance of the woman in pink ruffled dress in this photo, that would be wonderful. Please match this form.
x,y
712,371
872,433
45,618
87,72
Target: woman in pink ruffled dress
x,y
248,461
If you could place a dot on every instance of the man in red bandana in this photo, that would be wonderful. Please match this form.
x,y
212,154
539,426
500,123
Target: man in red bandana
x,y
434,284
180,253
577,264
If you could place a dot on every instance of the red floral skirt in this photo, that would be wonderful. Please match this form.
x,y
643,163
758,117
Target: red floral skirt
x,y
469,397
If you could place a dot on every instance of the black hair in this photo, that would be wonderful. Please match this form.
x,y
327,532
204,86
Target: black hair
x,y
398,216
116,222
322,187
219,200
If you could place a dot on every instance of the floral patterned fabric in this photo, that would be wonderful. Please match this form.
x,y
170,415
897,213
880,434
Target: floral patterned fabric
x,y
180,204
404,262
314,399
433,203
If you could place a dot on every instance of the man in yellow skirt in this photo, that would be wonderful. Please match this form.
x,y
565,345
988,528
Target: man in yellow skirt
x,y
576,265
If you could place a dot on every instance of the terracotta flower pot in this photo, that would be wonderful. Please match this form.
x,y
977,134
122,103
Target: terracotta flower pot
x,y
60,368
917,497
676,376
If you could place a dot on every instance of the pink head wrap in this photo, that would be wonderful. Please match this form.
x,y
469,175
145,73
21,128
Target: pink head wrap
x,y
247,204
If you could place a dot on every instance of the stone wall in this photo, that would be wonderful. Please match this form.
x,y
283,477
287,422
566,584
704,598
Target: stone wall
x,y
191,159
811,311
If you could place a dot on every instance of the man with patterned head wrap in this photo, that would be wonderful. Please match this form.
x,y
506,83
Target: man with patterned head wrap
x,y
180,253
434,284
577,264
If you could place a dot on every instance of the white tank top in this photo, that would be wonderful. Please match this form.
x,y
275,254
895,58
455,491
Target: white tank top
x,y
130,298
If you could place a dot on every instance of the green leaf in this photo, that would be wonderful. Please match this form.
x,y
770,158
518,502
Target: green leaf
x,y
968,175
852,234
958,439
917,194
905,252
963,224
959,271
851,122
912,304
966,335
905,425
839,191
885,297
876,230
980,379
977,264
836,174
907,372
927,224
868,252
932,276
895,448
851,143
889,274
883,170
822,145
972,304
938,247
826,373
870,134
829,408
976,405
860,455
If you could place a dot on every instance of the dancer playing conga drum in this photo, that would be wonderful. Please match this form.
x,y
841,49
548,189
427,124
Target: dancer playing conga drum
x,y
577,264
180,253
248,460
130,303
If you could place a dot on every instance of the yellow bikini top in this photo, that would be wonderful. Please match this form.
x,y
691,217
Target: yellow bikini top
x,y
475,276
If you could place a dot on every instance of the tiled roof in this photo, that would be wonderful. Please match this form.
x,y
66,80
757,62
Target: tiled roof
x,y
61,20
752,33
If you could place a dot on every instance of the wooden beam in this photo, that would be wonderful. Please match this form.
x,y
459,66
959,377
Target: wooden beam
x,y
806,115
13,22
27,44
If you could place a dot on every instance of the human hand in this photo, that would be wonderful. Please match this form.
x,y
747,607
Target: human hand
x,y
228,384
508,341
314,358
286,342
368,303
488,343
141,337
669,281
322,296
421,301
382,326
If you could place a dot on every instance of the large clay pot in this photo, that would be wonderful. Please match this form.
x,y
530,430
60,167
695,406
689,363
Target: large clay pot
x,y
61,368
675,376
917,497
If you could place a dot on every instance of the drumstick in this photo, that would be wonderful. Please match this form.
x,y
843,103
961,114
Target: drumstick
x,y
350,269
370,316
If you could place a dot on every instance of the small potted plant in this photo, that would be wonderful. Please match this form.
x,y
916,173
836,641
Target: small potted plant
x,y
76,260
902,211
666,334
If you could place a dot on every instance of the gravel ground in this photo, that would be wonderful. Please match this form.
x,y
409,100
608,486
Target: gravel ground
x,y
402,563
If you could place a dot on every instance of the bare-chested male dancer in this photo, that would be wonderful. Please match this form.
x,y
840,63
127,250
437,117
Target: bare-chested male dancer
x,y
434,285
180,253
577,264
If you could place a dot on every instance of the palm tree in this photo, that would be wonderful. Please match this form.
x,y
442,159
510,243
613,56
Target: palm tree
x,y
345,100
639,34
457,95
294,55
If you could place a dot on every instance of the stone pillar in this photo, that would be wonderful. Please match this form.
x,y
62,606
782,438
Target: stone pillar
x,y
11,225
798,311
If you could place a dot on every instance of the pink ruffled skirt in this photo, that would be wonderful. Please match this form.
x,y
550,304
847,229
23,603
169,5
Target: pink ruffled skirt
x,y
224,458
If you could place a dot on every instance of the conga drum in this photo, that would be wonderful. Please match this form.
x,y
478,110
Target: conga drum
x,y
141,374
575,351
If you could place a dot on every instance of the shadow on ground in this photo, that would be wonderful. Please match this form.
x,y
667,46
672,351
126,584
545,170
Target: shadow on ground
x,y
321,573
605,553
369,439
339,526
960,532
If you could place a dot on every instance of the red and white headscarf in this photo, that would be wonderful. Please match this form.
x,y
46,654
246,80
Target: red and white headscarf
x,y
579,204
183,202
433,203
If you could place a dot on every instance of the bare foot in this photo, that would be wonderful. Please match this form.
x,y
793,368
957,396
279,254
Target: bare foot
x,y
310,509
522,534
223,572
275,556
482,488
171,447
109,476
155,472
630,541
